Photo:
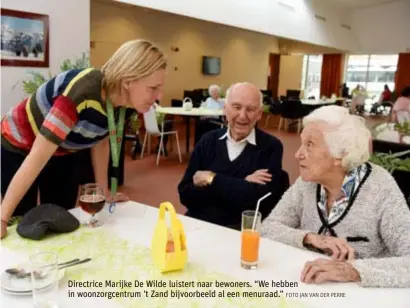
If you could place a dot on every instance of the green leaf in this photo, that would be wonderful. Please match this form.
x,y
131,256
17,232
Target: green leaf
x,y
36,79
391,162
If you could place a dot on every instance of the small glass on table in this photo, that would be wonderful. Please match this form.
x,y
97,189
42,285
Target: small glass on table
x,y
92,201
44,278
250,237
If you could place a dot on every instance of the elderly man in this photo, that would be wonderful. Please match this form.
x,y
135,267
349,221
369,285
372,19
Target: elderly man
x,y
230,169
344,206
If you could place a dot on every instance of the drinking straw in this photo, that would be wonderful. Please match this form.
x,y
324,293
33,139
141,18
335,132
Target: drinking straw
x,y
257,209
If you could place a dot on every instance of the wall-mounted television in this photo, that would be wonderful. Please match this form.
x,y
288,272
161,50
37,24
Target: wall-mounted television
x,y
211,65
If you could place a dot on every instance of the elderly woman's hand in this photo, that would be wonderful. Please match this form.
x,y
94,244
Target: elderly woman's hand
x,y
338,248
322,270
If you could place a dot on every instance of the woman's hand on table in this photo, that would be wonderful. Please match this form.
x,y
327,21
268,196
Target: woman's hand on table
x,y
323,270
338,248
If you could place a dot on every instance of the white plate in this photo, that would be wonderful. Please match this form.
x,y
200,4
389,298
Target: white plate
x,y
22,286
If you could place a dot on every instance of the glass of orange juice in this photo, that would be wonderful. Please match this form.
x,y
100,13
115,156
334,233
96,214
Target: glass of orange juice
x,y
250,239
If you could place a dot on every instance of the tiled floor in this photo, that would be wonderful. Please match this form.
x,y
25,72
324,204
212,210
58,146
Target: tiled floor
x,y
150,184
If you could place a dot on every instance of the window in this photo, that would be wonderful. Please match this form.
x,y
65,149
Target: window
x,y
311,73
372,72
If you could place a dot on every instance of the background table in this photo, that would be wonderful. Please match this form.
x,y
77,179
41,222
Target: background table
x,y
187,114
317,102
213,248
385,132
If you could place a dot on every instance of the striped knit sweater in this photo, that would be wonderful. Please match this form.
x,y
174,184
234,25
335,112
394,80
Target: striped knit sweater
x,y
379,213
67,110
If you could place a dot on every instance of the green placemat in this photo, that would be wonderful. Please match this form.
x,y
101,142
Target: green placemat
x,y
115,259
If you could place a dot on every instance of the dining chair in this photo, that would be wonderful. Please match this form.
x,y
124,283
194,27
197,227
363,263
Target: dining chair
x,y
151,129
293,110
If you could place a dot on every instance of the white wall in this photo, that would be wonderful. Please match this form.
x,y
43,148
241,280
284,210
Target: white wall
x,y
244,54
69,38
294,19
383,28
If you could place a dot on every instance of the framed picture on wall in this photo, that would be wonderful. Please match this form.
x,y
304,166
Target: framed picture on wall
x,y
24,39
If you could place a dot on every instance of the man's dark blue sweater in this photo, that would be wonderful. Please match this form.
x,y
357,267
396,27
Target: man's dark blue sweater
x,y
230,194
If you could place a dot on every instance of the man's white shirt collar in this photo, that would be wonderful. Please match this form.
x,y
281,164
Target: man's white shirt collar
x,y
250,138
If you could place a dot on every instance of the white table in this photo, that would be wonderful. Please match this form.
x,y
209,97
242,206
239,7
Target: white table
x,y
317,102
218,249
386,132
194,112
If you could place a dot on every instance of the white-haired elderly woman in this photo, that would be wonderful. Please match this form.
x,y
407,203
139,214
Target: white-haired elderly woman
x,y
208,123
344,206
214,101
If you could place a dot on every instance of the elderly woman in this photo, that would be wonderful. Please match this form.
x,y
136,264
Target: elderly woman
x,y
208,123
344,206
214,101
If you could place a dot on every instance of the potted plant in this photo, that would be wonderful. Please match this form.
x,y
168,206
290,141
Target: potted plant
x,y
403,129
392,161
398,164
37,79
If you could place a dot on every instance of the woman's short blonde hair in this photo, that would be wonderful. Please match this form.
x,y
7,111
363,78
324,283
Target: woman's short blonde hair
x,y
133,60
347,136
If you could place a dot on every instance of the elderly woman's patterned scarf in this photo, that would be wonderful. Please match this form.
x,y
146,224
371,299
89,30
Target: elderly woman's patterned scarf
x,y
350,185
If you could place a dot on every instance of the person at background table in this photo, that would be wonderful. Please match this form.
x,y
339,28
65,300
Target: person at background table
x,y
230,169
401,108
345,206
385,97
208,123
359,95
386,94
344,91
67,114
214,100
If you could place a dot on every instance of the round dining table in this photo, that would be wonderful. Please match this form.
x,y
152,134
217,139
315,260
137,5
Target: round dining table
x,y
120,251
188,114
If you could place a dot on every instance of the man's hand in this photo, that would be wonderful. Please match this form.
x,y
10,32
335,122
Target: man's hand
x,y
202,178
261,176
119,197
322,270
338,248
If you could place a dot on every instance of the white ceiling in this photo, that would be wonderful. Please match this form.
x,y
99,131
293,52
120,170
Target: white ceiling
x,y
357,4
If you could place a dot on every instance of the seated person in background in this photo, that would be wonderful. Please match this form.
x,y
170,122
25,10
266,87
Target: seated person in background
x,y
401,108
344,91
357,91
344,206
385,97
386,94
230,169
214,101
359,95
206,124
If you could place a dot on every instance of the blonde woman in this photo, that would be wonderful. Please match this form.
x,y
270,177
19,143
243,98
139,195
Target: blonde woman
x,y
76,110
